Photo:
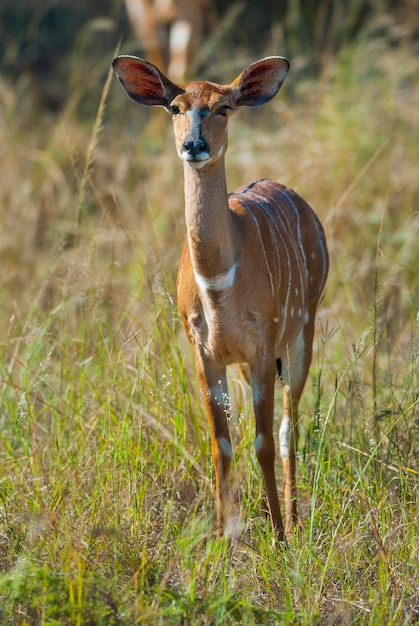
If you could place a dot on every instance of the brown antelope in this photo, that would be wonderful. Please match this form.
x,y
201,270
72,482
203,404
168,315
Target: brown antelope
x,y
170,30
253,269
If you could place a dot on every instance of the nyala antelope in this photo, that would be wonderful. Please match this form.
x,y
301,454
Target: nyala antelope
x,y
252,271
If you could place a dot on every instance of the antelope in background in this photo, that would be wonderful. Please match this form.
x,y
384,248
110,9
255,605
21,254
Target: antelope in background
x,y
170,31
253,269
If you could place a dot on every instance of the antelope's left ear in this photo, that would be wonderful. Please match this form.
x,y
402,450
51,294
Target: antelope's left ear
x,y
144,82
260,82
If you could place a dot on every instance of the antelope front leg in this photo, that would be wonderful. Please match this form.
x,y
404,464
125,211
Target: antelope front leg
x,y
213,384
263,383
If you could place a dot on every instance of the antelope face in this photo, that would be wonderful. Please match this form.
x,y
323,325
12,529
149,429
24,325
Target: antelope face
x,y
200,117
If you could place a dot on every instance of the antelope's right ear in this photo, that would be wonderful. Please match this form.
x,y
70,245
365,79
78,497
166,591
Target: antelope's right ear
x,y
259,82
144,83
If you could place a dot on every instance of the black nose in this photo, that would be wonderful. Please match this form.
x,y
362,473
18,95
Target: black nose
x,y
195,146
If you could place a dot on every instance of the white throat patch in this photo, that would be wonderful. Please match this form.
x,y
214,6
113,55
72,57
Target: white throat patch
x,y
217,283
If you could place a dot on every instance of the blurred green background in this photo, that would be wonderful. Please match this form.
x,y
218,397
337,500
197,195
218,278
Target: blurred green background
x,y
42,40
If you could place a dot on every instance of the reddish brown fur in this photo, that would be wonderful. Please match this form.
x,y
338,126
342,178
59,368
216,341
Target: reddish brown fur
x,y
252,272
153,23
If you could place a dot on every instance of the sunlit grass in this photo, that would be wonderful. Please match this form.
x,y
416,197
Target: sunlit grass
x,y
106,484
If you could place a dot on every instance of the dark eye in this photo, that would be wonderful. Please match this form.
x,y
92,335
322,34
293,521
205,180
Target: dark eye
x,y
223,110
174,110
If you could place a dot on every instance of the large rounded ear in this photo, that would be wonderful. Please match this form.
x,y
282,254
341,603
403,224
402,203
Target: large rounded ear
x,y
144,83
260,82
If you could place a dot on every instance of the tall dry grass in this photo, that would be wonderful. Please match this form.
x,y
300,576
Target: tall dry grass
x,y
105,484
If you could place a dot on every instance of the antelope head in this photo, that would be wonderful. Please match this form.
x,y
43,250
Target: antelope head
x,y
201,109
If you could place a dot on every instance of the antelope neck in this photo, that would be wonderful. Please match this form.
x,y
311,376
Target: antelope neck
x,y
210,228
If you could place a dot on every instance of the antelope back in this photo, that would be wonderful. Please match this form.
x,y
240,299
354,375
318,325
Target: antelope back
x,y
288,240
